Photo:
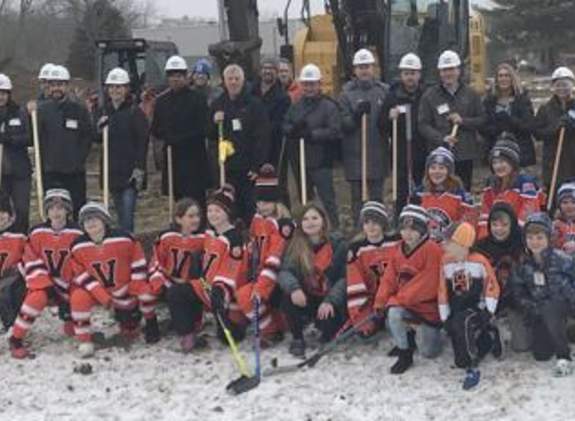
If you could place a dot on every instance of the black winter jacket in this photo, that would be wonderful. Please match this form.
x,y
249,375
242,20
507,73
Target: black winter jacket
x,y
15,137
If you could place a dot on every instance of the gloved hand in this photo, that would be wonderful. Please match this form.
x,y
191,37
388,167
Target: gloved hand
x,y
103,122
171,140
299,129
217,300
137,178
567,120
363,107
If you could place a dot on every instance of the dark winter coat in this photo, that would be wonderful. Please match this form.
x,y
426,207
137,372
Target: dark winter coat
x,y
277,102
518,119
323,120
128,141
15,137
559,281
247,126
354,92
547,130
436,105
66,134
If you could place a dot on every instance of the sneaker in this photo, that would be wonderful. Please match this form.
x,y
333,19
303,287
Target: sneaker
x,y
472,376
68,328
563,368
297,348
86,349
404,361
151,331
17,349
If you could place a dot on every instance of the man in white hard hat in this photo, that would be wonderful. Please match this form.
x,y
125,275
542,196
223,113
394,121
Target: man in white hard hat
x,y
180,121
44,81
245,123
65,132
402,104
15,166
128,131
364,95
556,114
316,119
451,104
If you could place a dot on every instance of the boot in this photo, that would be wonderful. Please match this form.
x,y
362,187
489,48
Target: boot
x,y
297,348
17,349
130,330
472,376
404,361
410,340
151,331
86,349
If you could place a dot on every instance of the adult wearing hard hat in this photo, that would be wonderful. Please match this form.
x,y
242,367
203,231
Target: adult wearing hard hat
x,y
180,120
246,125
65,133
44,81
128,132
558,113
451,104
15,138
364,95
402,104
316,119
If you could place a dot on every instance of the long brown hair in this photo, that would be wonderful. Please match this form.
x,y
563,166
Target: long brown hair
x,y
515,80
451,184
300,249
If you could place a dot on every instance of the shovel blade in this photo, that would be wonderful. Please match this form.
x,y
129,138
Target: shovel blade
x,y
242,385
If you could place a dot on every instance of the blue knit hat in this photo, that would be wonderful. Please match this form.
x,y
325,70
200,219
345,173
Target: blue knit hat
x,y
441,156
202,66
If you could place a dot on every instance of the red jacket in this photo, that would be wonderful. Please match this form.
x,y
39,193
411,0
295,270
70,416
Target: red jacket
x,y
11,251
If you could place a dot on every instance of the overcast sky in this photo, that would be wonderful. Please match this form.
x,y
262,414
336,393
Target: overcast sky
x,y
208,8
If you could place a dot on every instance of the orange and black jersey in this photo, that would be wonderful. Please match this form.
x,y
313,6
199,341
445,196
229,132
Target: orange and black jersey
x,y
109,267
47,255
12,246
177,258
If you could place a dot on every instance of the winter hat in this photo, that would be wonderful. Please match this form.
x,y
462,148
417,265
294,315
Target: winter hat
x,y
463,234
202,66
566,190
541,219
223,197
441,156
374,211
415,217
267,184
97,210
57,195
507,148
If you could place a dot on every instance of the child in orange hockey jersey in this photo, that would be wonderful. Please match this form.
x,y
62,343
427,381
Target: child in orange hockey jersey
x,y
367,259
46,260
12,243
564,223
109,269
176,262
468,296
270,230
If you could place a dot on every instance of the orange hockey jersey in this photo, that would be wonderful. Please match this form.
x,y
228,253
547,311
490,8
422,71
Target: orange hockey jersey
x,y
12,246
47,256
564,235
109,271
471,283
411,280
176,259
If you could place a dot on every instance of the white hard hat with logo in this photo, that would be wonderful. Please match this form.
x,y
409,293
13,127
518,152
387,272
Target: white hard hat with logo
x,y
118,76
59,73
176,63
45,71
310,73
5,83
410,61
563,73
448,59
363,56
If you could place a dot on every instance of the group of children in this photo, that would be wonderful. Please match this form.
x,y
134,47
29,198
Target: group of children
x,y
444,267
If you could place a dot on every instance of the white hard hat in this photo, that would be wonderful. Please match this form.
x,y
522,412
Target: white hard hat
x,y
5,83
410,61
118,76
59,73
448,59
45,71
176,63
310,73
563,73
363,56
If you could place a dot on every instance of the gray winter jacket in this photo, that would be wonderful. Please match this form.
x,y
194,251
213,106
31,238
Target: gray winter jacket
x,y
436,105
354,92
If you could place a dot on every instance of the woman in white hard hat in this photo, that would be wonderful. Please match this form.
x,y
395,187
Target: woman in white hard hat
x,y
557,113
15,166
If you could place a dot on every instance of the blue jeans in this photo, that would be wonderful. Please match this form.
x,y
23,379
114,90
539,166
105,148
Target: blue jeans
x,y
125,203
428,338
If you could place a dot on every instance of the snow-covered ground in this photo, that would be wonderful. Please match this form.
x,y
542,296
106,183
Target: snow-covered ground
x,y
159,383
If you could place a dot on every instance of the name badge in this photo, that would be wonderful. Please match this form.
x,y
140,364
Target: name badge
x,y
539,279
72,124
236,124
443,109
402,109
15,122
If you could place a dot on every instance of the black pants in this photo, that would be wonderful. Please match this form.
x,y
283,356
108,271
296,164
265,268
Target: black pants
x,y
12,296
471,336
245,194
185,308
300,317
74,183
550,332
18,188
464,170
